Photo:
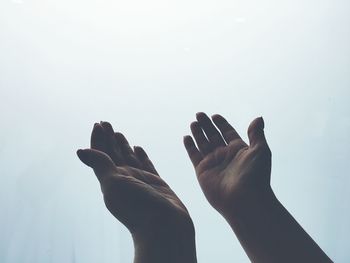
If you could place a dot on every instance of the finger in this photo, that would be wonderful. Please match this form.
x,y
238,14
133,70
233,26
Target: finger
x,y
98,138
202,142
193,152
256,133
105,132
107,128
227,131
126,151
142,156
101,163
213,135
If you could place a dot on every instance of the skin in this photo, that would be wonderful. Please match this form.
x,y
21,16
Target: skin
x,y
235,179
137,196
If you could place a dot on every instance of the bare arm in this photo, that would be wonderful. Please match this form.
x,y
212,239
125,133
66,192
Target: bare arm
x,y
135,194
269,233
235,178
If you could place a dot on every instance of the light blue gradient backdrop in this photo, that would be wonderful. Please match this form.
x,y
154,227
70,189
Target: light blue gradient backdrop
x,y
148,67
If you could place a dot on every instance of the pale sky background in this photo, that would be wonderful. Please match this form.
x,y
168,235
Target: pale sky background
x,y
148,67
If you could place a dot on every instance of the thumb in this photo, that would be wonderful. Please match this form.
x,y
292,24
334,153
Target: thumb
x,y
256,133
97,160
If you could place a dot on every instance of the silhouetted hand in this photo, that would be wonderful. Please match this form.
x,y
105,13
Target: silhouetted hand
x,y
229,171
235,178
136,195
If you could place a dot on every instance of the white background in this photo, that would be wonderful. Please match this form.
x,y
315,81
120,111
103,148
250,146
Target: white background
x,y
148,67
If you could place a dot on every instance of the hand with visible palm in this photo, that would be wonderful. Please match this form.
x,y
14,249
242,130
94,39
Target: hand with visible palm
x,y
235,178
229,171
134,192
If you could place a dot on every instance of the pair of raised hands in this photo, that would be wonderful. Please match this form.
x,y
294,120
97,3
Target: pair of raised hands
x,y
234,176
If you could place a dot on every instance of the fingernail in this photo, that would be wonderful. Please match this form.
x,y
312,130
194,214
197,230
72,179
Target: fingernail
x,y
262,123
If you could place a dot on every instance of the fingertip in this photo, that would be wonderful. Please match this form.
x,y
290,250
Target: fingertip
x,y
216,117
119,135
80,152
195,128
262,122
201,115
97,135
97,127
189,142
185,139
257,124
256,131
107,127
137,149
83,156
194,125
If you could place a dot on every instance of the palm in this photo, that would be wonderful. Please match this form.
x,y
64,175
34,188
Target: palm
x,y
139,198
133,191
225,165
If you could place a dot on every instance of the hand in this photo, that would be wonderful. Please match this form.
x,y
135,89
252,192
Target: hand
x,y
235,178
229,171
136,195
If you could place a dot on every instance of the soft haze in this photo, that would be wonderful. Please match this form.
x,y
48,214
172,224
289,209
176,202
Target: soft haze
x,y
148,67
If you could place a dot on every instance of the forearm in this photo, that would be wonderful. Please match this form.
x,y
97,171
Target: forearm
x,y
166,245
269,233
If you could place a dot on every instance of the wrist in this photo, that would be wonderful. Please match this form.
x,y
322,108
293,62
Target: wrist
x,y
172,242
268,233
252,203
